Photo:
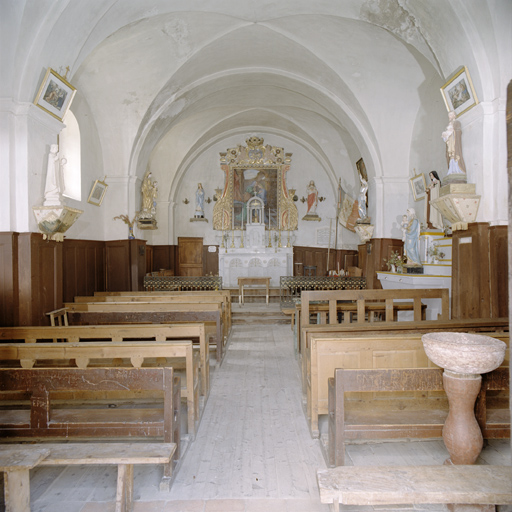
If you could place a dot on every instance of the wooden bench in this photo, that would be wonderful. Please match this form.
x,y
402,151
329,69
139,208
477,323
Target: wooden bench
x,y
88,354
477,325
391,300
222,296
385,422
254,282
43,420
100,313
17,460
401,485
327,353
118,333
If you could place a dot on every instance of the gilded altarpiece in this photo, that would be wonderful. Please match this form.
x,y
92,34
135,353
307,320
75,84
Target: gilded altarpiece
x,y
255,170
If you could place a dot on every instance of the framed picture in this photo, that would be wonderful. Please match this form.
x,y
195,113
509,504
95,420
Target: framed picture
x,y
97,193
362,169
458,93
55,95
419,187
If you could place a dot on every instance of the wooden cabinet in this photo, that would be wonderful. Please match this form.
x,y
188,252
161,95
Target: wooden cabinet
x,y
480,272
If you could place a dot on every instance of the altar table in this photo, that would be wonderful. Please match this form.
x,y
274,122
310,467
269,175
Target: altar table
x,y
252,281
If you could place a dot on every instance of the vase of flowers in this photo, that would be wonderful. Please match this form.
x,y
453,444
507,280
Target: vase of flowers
x,y
395,261
435,254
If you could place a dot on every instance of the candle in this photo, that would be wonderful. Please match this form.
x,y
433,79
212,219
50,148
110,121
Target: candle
x,y
233,219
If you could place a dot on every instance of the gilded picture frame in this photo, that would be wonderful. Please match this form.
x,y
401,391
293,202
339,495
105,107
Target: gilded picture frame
x,y
361,168
458,92
55,95
98,191
419,187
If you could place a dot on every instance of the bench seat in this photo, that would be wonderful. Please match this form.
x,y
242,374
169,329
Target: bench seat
x,y
400,485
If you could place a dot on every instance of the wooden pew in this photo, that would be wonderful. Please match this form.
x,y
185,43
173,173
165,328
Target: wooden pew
x,y
89,354
402,485
16,461
365,304
327,353
477,325
100,313
118,333
385,422
42,420
222,296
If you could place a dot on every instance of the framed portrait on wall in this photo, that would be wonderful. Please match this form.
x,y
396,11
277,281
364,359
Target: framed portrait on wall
x,y
419,187
98,192
361,168
458,93
55,95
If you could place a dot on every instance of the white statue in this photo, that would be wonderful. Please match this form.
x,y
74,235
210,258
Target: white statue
x,y
199,213
452,136
54,186
361,199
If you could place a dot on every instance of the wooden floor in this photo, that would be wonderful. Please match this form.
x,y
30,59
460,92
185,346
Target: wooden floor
x,y
253,451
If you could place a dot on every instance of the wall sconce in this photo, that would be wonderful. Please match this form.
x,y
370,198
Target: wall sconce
x,y
321,199
186,201
303,199
208,200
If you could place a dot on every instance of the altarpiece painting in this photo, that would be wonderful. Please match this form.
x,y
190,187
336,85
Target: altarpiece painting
x,y
255,170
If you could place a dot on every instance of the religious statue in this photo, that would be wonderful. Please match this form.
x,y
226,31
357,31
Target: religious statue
x,y
452,136
312,198
433,216
149,191
54,186
199,213
361,200
412,238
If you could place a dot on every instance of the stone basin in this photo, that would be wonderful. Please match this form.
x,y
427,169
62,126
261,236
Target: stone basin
x,y
463,352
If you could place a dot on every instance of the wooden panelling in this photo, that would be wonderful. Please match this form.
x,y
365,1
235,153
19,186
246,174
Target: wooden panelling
x,y
117,263
479,272
317,257
83,268
498,244
9,293
163,257
371,258
210,261
40,278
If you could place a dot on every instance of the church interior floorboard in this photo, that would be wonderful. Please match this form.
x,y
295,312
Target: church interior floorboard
x,y
253,451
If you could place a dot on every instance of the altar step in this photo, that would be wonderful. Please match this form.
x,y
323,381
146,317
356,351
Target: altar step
x,y
258,314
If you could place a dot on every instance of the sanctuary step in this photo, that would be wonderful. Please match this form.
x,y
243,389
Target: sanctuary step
x,y
258,313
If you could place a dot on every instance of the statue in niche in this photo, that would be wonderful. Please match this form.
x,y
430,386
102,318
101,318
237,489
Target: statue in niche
x,y
199,213
412,238
54,186
452,137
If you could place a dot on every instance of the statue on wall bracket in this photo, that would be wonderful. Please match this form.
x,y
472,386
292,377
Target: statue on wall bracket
x,y
255,170
146,218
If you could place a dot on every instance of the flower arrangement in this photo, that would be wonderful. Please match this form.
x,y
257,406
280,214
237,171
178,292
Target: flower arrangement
x,y
395,260
435,253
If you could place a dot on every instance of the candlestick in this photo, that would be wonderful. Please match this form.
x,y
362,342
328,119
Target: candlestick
x,y
233,239
270,238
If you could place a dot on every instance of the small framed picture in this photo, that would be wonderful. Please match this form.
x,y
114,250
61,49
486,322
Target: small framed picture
x,y
419,187
97,193
361,167
55,95
458,93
